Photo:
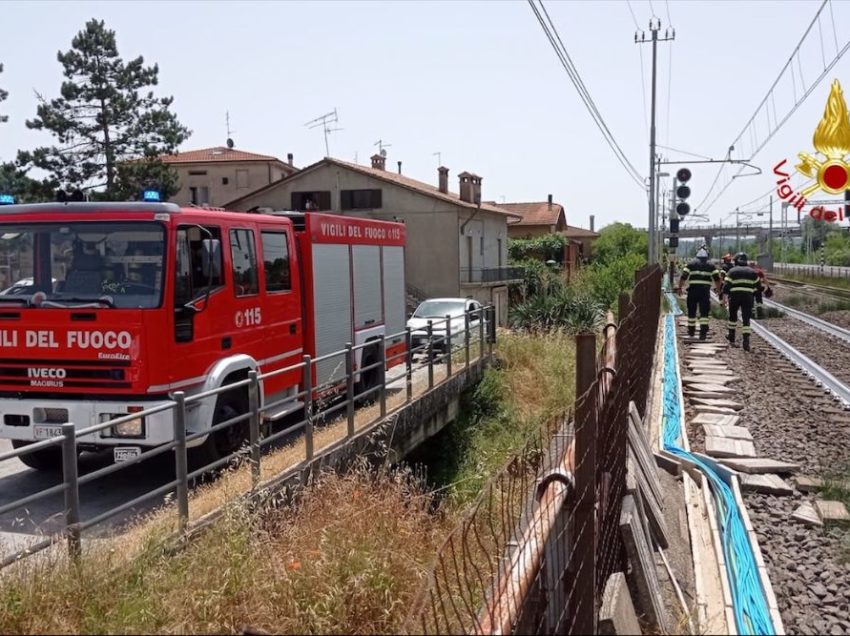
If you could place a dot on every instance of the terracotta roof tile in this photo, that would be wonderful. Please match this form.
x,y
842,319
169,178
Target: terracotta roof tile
x,y
387,176
535,212
216,153
578,232
421,186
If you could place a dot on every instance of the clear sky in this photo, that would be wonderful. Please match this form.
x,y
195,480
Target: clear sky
x,y
476,81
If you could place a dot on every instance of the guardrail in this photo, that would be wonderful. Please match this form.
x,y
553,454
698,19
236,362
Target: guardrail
x,y
536,550
805,269
439,344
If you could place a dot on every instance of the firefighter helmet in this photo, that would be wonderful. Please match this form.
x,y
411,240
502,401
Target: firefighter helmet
x,y
727,258
702,254
741,259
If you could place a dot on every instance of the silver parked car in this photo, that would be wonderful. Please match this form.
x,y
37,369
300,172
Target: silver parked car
x,y
436,310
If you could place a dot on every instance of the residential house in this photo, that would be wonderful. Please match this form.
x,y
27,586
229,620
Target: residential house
x,y
213,176
456,245
539,218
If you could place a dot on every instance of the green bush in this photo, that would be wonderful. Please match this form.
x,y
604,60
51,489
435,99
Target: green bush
x,y
604,282
568,308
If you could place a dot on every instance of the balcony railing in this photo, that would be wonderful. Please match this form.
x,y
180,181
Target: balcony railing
x,y
491,274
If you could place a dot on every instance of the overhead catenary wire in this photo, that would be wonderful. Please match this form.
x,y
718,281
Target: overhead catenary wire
x,y
642,76
749,128
554,38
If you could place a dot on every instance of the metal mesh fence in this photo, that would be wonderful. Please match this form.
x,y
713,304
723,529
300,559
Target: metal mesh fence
x,y
535,550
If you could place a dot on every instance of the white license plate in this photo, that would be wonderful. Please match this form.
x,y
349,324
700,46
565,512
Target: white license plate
x,y
125,453
46,432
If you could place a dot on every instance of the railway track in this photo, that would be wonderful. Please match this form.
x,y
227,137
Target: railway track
x,y
814,321
824,378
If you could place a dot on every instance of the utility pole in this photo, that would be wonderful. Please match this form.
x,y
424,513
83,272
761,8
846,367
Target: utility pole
x,y
770,234
737,230
654,27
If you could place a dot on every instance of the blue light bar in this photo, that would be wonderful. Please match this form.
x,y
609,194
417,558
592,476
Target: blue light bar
x,y
151,195
6,199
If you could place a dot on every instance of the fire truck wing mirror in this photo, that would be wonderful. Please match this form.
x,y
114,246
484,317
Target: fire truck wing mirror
x,y
211,260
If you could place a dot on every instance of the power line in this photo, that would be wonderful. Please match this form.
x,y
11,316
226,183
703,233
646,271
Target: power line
x,y
552,35
684,152
757,144
642,76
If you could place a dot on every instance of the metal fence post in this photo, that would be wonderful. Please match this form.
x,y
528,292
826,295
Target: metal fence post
x,y
585,506
349,387
181,464
307,383
72,490
382,373
491,330
466,339
448,346
254,426
408,374
430,354
481,318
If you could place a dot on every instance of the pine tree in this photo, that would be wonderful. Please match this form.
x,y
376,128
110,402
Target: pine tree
x,y
3,96
109,126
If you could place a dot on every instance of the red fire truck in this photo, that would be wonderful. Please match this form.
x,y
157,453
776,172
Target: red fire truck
x,y
108,308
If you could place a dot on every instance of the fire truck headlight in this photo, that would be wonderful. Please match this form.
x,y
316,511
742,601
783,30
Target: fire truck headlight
x,y
134,428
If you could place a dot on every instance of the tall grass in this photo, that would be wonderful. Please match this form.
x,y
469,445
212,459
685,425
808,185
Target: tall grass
x,y
533,382
348,558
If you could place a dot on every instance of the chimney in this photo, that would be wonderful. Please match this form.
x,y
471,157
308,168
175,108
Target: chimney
x,y
476,189
399,167
550,201
465,186
443,179
379,162
289,158
592,218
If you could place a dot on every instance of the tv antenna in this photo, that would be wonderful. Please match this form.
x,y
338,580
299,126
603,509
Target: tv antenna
x,y
324,121
229,132
438,155
381,145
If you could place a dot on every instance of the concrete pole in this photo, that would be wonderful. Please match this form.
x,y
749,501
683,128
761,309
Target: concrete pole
x,y
652,256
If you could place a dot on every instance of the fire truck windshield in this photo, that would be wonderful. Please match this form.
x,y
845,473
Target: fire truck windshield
x,y
110,264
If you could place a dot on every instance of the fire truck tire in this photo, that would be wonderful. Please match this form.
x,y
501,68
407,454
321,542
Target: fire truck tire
x,y
47,459
368,379
228,440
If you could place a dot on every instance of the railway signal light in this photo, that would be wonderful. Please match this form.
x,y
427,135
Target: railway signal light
x,y
674,226
683,191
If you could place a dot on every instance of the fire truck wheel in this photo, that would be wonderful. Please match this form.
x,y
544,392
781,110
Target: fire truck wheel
x,y
230,439
45,459
368,379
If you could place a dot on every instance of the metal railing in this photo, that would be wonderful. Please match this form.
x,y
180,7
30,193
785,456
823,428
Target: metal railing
x,y
338,401
540,542
491,274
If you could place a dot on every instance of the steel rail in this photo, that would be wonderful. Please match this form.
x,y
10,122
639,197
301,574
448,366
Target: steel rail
x,y
823,377
806,364
814,321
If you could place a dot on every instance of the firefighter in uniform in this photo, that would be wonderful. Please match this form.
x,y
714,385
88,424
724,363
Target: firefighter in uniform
x,y
764,292
700,274
726,265
740,286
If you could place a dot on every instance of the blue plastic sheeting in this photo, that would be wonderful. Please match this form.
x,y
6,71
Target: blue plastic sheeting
x,y
752,615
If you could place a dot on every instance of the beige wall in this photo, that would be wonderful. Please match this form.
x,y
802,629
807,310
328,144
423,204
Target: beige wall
x,y
436,250
258,173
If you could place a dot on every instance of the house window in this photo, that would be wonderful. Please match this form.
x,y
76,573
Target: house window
x,y
199,195
225,181
311,200
360,199
241,179
481,246
243,254
198,173
276,261
499,245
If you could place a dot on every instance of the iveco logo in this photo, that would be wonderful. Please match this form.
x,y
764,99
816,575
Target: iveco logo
x,y
47,374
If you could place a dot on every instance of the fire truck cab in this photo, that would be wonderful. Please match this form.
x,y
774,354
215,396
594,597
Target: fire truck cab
x,y
127,303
